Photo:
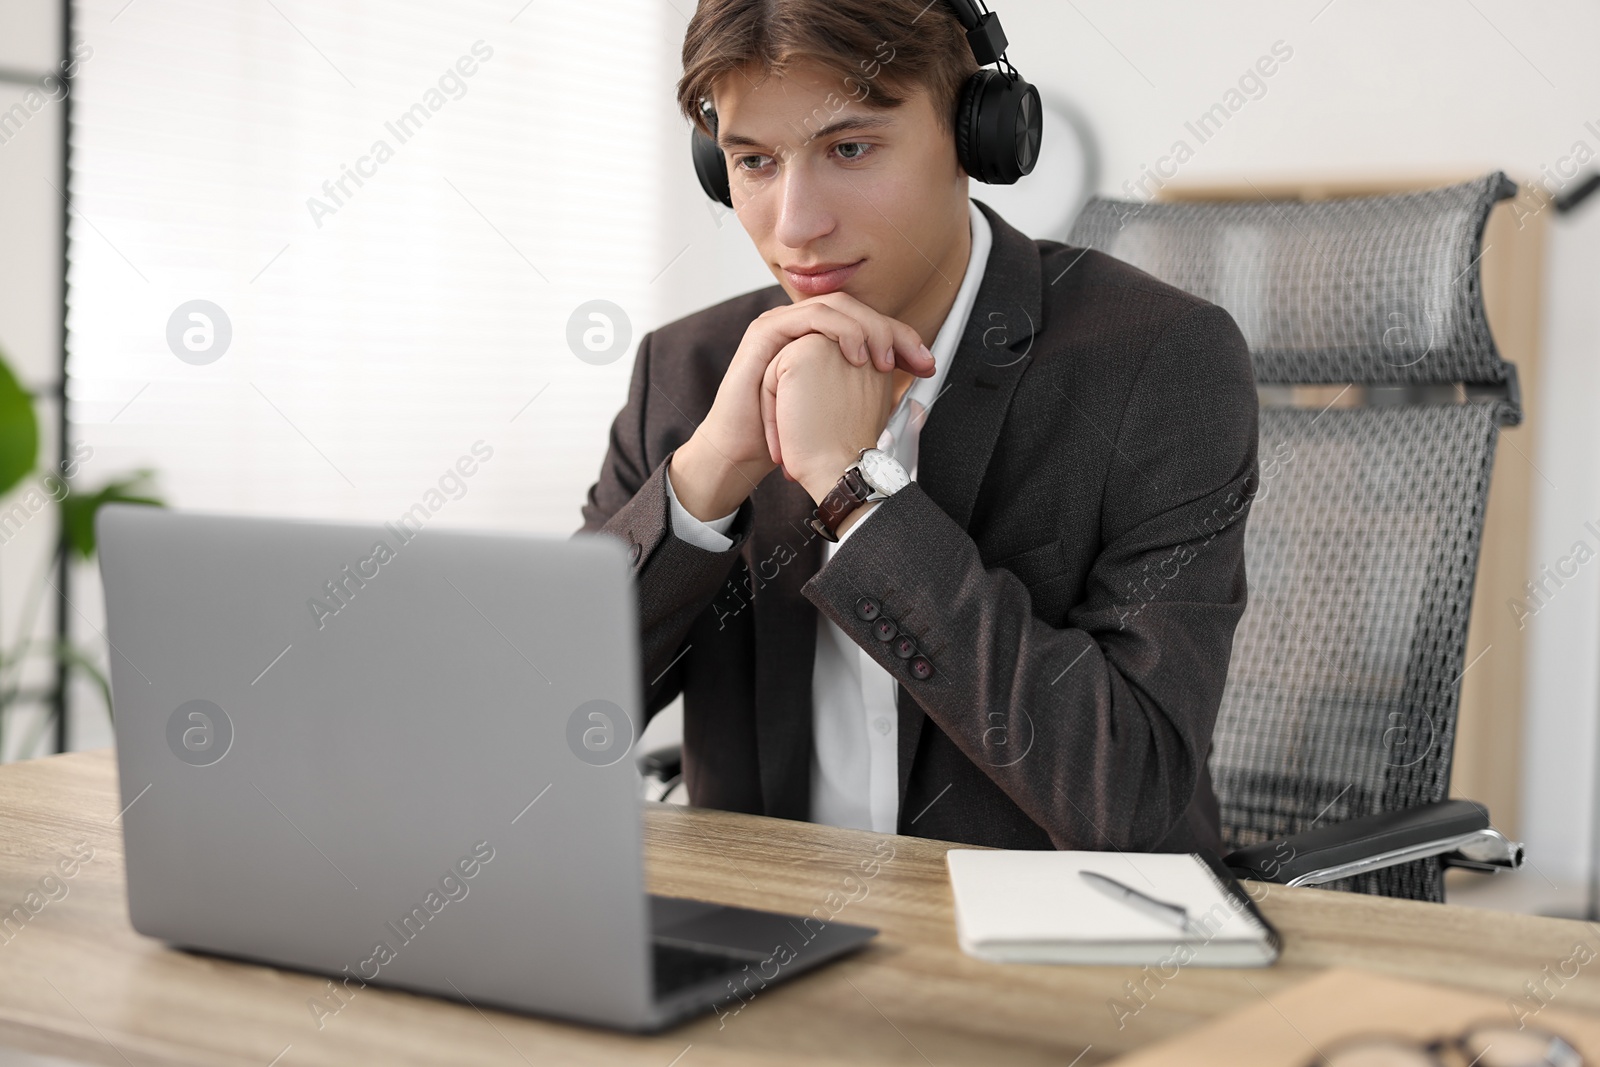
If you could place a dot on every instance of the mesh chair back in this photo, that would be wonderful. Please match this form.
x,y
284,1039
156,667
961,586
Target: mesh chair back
x,y
1361,547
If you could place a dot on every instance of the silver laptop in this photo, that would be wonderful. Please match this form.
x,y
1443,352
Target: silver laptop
x,y
404,757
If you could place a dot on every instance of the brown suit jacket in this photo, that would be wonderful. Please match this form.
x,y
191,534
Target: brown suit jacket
x,y
1070,561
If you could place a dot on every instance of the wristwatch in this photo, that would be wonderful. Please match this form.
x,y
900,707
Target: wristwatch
x,y
876,475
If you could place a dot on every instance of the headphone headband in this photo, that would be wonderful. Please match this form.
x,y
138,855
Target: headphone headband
x,y
998,121
984,35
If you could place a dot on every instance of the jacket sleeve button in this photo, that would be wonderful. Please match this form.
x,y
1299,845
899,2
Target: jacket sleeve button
x,y
885,629
634,551
921,669
904,646
868,609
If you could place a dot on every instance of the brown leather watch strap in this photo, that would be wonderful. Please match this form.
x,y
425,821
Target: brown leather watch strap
x,y
850,493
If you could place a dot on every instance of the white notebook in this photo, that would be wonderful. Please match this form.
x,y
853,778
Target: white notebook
x,y
1015,906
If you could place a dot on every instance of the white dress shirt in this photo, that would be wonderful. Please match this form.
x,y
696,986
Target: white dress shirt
x,y
855,722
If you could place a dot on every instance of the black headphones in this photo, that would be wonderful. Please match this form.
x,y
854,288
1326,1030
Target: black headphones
x,y
998,121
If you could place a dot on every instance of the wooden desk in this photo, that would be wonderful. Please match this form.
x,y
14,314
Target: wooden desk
x,y
77,981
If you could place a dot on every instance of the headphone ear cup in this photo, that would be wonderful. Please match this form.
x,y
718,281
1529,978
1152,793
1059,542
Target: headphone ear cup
x,y
1027,126
1004,123
711,168
966,121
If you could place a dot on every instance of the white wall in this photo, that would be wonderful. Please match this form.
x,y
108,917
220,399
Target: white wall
x,y
1558,765
1433,87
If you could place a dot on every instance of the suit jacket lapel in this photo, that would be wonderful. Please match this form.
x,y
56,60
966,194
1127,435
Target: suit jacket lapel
x,y
784,554
960,430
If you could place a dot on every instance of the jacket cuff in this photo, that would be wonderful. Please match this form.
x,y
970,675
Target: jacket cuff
x,y
872,576
644,525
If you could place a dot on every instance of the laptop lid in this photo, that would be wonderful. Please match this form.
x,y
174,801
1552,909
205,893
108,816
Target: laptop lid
x,y
393,755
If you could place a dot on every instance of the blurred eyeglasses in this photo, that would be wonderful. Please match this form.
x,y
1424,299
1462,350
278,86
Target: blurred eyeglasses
x,y
1482,1045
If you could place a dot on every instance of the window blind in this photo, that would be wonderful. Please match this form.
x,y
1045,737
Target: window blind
x,y
321,251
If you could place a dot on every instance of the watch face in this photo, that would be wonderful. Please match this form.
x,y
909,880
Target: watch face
x,y
883,472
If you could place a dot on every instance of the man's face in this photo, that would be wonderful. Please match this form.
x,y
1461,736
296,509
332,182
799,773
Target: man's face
x,y
820,179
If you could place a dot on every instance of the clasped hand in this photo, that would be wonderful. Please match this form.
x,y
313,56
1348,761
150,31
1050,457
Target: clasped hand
x,y
811,384
819,410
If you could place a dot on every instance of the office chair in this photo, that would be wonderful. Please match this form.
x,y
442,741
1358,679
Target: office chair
x,y
1331,756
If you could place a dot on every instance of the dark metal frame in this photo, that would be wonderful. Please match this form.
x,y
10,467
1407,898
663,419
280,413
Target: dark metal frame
x,y
63,425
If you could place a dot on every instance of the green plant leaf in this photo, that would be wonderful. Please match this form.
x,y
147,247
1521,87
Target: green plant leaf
x,y
78,509
19,430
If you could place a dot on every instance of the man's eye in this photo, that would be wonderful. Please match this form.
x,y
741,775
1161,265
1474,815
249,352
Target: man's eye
x,y
861,149
742,161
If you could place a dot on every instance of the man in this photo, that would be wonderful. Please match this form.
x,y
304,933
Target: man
x,y
1026,645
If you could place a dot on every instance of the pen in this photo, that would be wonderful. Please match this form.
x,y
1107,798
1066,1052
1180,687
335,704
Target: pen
x,y
1174,915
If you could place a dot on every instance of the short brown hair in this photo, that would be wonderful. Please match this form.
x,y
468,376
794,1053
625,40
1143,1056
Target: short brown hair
x,y
885,46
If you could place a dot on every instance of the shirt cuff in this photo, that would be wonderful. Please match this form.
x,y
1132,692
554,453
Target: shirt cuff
x,y
866,513
710,536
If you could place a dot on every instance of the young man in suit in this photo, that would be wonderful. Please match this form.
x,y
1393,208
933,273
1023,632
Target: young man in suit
x,y
1021,637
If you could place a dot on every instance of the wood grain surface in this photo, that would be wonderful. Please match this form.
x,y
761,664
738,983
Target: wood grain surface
x,y
76,980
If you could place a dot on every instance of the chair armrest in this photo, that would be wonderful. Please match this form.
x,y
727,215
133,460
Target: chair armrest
x,y
1457,830
661,768
665,761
